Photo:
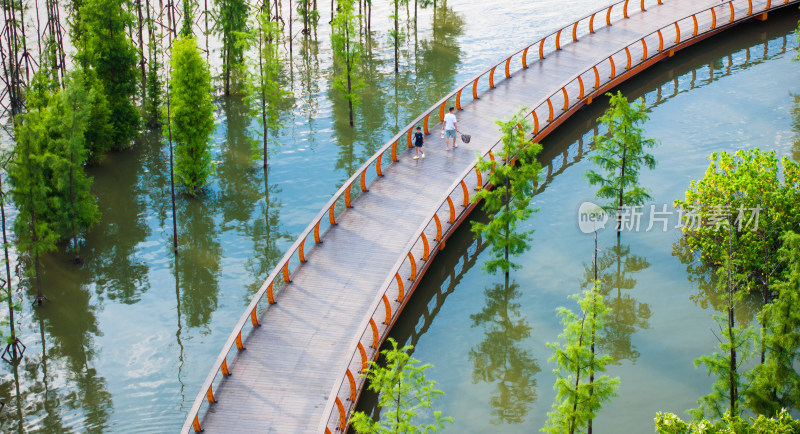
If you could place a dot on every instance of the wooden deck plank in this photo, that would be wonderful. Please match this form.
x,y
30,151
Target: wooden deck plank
x,y
281,382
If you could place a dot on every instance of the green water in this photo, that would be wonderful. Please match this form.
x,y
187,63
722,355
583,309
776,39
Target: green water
x,y
126,339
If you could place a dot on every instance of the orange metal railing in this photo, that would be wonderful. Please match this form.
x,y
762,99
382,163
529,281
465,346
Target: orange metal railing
x,y
384,313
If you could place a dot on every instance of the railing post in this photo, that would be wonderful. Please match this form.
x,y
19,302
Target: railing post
x,y
388,309
613,69
352,382
413,263
628,56
375,336
401,292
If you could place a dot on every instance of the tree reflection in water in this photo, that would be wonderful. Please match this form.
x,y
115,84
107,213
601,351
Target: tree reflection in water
x,y
627,315
500,357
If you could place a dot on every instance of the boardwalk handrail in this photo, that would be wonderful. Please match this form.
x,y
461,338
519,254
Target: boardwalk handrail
x,y
281,270
366,345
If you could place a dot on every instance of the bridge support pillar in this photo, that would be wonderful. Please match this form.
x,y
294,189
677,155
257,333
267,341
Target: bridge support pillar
x,y
762,17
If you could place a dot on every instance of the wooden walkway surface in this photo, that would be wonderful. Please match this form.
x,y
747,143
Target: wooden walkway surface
x,y
283,380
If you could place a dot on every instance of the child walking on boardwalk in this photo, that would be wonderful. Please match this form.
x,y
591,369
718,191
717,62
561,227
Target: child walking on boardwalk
x,y
419,140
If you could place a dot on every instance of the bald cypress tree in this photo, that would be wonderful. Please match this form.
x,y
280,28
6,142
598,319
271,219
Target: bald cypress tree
x,y
111,54
192,115
28,175
74,206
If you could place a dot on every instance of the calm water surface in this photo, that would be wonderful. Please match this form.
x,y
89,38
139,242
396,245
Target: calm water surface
x,y
126,340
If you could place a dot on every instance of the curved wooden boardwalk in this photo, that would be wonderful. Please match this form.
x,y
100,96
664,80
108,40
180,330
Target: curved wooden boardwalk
x,y
292,361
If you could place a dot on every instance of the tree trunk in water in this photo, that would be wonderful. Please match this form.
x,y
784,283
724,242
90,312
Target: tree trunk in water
x,y
141,52
577,380
205,19
396,34
347,62
591,360
10,293
621,192
732,374
291,37
508,223
172,177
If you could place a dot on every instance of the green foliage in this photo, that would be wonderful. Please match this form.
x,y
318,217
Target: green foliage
x,y
746,196
734,345
621,155
775,384
74,210
403,392
396,34
782,423
266,93
733,188
231,23
46,174
309,15
508,201
98,133
347,52
579,392
28,179
153,105
192,114
113,57
188,19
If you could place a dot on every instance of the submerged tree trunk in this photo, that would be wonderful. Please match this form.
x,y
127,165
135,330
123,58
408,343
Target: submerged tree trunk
x,y
621,192
141,51
396,34
348,59
172,176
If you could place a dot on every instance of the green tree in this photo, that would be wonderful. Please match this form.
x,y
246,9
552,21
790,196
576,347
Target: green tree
x,y
74,206
577,398
747,194
99,132
231,23
192,114
309,14
775,384
620,156
154,102
734,345
347,54
28,179
266,94
403,392
397,35
113,57
508,202
782,423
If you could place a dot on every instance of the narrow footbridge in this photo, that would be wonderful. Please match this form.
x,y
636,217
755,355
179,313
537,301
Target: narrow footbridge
x,y
292,362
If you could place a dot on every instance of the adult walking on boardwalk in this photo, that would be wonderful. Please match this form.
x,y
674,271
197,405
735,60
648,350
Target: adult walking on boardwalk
x,y
450,127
